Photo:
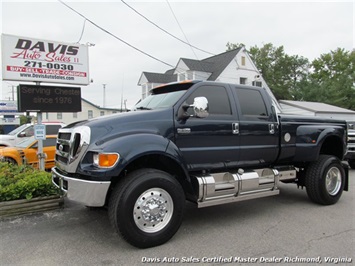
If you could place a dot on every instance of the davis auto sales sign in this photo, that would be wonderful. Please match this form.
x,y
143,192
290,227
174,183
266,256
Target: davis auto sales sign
x,y
28,59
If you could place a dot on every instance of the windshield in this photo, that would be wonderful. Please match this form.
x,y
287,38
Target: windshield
x,y
18,129
156,101
25,143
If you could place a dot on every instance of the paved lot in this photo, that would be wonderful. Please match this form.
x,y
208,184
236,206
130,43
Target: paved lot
x,y
283,228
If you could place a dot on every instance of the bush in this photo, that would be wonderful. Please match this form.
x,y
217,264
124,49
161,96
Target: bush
x,y
24,182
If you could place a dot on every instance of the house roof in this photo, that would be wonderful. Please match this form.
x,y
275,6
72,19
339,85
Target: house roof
x,y
221,61
214,65
317,107
198,65
99,107
159,77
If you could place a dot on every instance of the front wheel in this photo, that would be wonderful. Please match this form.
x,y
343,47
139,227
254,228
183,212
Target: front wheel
x,y
147,207
325,180
9,160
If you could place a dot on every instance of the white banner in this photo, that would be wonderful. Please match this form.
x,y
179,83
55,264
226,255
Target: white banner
x,y
28,59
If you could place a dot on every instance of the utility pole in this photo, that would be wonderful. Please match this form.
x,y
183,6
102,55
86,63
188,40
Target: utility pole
x,y
104,104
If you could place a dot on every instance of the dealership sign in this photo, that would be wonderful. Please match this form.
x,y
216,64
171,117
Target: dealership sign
x,y
28,59
8,106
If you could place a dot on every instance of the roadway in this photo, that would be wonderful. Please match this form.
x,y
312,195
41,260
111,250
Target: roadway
x,y
284,229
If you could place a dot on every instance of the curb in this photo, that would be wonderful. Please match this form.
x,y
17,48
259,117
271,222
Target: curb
x,y
24,206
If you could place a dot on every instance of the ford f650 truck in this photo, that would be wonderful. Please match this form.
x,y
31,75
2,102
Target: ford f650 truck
x,y
206,142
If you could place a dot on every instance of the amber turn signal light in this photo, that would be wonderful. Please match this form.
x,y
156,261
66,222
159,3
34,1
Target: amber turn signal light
x,y
106,160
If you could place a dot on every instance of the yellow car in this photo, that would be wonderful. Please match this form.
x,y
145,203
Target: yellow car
x,y
25,152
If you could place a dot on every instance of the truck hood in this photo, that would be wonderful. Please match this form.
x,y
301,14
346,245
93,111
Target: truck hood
x,y
7,137
146,121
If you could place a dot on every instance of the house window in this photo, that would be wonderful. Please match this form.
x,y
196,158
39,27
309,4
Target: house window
x,y
243,60
90,114
59,116
144,91
190,76
75,115
181,77
102,113
47,117
243,81
257,83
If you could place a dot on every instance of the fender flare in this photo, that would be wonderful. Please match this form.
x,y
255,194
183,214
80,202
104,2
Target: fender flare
x,y
310,139
132,147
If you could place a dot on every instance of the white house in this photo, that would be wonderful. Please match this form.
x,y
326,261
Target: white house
x,y
88,110
234,66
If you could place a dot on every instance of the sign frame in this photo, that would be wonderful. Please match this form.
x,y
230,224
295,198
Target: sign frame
x,y
35,60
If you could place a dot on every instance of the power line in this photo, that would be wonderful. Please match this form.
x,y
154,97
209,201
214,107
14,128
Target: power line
x,y
177,21
177,38
111,34
82,31
180,71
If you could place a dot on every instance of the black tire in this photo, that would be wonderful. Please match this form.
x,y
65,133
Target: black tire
x,y
352,163
147,207
325,180
10,160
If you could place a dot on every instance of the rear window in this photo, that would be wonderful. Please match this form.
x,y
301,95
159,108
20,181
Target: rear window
x,y
251,102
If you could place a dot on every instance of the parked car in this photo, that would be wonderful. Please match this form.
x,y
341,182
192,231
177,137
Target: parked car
x,y
25,131
25,152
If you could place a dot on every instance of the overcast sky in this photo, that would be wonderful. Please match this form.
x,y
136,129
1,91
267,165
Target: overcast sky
x,y
304,28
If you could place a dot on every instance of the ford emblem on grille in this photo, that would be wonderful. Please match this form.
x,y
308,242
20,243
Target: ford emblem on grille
x,y
61,147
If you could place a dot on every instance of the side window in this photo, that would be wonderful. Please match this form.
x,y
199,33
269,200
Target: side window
x,y
52,129
251,102
28,132
218,101
49,142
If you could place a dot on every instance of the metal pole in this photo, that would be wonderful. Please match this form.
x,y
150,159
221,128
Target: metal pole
x,y
40,153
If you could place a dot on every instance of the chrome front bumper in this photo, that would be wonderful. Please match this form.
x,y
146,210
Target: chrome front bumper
x,y
90,193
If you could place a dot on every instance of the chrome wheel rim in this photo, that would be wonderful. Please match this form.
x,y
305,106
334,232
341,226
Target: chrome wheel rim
x,y
333,181
153,210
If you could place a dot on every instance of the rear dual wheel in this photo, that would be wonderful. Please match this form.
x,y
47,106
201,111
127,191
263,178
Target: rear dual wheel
x,y
147,207
325,180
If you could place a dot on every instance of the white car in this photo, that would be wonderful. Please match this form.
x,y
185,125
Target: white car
x,y
25,131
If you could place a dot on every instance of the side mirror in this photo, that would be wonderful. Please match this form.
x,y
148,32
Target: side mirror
x,y
200,107
22,134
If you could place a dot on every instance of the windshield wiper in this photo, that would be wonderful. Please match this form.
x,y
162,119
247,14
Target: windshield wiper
x,y
143,108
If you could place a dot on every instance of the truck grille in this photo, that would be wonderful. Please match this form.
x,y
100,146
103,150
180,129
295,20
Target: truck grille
x,y
71,144
351,133
22,155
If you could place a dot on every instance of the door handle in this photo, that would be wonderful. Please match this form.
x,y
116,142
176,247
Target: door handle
x,y
272,128
235,128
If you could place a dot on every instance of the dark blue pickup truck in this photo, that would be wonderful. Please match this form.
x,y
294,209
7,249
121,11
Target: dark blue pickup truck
x,y
206,142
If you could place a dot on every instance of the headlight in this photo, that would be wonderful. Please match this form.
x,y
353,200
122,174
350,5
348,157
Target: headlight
x,y
105,160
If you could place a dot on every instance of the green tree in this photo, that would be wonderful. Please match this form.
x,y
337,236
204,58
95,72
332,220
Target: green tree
x,y
281,72
332,79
